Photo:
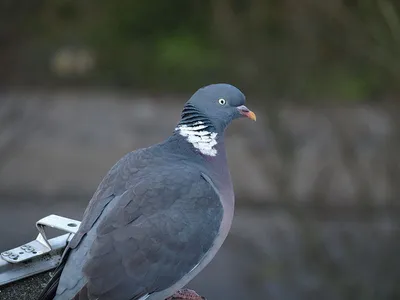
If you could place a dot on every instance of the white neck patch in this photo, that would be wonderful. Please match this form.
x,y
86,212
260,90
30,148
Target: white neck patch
x,y
201,139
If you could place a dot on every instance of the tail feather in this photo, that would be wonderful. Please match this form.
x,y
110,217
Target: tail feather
x,y
49,292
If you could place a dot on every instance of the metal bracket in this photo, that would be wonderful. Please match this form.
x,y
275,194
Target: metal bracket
x,y
12,272
40,255
41,245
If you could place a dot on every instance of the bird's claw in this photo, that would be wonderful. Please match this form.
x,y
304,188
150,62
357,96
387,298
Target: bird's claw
x,y
186,294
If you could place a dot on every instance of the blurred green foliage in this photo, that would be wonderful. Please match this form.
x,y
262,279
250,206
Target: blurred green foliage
x,y
293,49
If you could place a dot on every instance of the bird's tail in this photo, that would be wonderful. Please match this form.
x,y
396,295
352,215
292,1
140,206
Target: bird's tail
x,y
49,292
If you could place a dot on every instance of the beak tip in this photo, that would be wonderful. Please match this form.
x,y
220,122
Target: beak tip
x,y
252,116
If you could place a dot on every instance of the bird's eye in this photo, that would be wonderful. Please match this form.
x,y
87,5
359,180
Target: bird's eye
x,y
222,101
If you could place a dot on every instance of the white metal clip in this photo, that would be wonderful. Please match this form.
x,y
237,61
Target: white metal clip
x,y
41,244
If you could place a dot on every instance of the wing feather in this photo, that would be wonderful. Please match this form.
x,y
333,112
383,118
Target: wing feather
x,y
154,236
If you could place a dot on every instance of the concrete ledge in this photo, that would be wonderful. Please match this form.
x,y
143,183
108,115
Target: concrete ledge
x,y
25,289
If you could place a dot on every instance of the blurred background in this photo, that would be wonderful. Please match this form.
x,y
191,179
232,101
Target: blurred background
x,y
317,178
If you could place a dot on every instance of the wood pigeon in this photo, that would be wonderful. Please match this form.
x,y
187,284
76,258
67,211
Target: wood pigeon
x,y
160,214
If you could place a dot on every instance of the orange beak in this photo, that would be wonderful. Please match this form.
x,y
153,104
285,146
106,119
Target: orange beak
x,y
247,112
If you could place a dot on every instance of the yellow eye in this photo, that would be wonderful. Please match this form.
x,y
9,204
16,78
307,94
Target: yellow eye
x,y
222,101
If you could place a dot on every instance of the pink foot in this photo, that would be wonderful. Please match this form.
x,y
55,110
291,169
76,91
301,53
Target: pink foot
x,y
186,294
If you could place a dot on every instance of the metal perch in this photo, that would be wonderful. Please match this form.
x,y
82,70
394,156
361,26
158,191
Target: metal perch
x,y
25,270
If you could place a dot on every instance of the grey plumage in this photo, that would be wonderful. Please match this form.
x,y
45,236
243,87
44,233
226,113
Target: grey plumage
x,y
160,214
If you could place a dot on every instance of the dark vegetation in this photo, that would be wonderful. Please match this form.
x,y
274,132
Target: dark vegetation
x,y
294,49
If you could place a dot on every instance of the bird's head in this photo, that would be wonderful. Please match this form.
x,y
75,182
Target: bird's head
x,y
216,105
208,112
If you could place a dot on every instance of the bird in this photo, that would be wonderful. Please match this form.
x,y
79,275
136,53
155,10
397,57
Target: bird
x,y
160,214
